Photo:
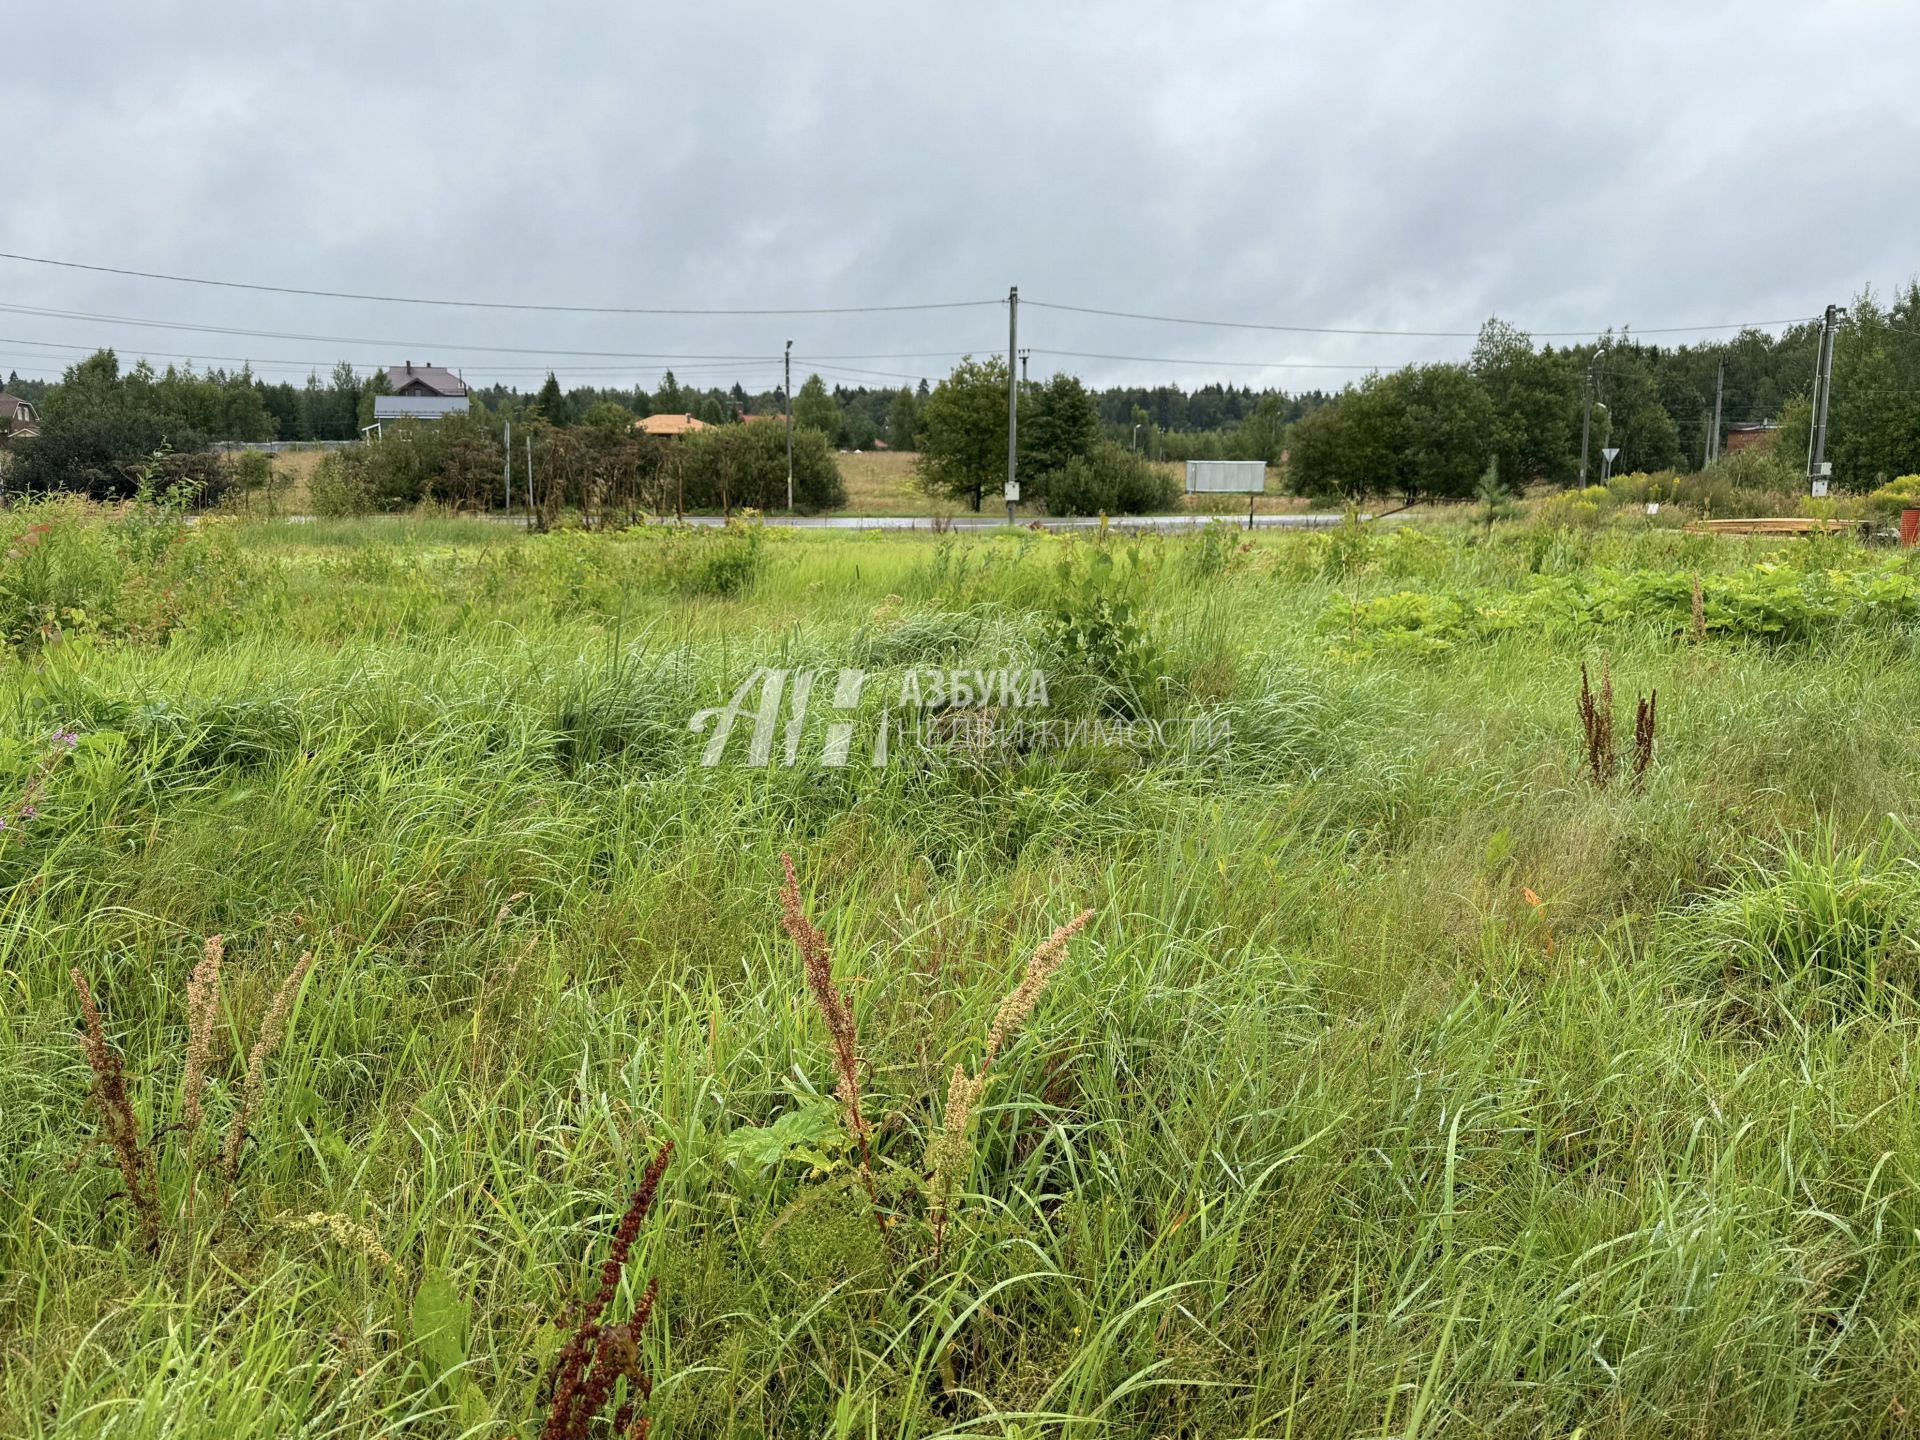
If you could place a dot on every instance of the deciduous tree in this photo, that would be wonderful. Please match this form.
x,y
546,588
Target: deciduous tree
x,y
963,431
815,408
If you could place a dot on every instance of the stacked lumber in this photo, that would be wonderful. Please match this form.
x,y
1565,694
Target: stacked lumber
x,y
1769,525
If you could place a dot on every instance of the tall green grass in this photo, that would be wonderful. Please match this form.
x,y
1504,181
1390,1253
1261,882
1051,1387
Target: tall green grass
x,y
1323,1127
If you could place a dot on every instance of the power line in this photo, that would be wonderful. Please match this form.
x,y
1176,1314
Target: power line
x,y
494,304
286,363
1411,334
1232,364
426,345
772,311
853,370
389,344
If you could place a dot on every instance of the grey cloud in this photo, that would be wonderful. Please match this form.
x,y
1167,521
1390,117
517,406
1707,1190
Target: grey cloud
x,y
1396,166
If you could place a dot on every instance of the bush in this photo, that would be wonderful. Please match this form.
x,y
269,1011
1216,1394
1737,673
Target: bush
x,y
1760,481
1095,643
1110,480
702,560
1750,478
455,461
338,486
135,571
1570,510
400,469
1710,490
745,466
1640,488
1896,495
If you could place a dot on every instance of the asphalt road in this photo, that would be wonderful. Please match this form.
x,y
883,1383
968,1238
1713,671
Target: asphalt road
x,y
1163,523
989,522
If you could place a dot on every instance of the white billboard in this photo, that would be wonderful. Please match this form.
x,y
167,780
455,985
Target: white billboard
x,y
1226,477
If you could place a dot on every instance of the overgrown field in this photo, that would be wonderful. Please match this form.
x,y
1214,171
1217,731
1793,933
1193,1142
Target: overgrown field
x,y
1420,1071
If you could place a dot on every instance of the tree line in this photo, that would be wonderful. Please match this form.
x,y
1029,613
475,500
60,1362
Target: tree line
x,y
1518,412
1512,409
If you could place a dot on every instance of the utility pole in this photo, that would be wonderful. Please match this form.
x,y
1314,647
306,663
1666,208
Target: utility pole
x,y
1719,389
1023,365
1586,420
1013,400
507,456
1823,392
789,394
529,482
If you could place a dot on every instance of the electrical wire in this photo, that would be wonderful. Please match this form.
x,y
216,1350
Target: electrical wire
x,y
852,370
1412,334
661,356
259,363
771,311
388,344
1232,364
497,304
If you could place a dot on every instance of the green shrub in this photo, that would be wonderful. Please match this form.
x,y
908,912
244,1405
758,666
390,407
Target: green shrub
x,y
1710,490
1640,488
1759,479
1109,480
136,571
745,467
249,471
339,486
1771,601
62,572
1407,553
1570,510
1214,551
1411,623
1095,642
1896,495
715,561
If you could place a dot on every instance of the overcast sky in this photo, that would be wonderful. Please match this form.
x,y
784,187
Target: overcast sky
x,y
1400,167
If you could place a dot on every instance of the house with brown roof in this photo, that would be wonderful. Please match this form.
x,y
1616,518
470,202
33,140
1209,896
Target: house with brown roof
x,y
668,424
421,392
18,419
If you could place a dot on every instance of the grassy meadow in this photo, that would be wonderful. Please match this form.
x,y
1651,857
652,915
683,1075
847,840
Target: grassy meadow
x,y
1406,1080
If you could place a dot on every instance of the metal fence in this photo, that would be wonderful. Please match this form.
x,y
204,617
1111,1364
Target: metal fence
x,y
278,447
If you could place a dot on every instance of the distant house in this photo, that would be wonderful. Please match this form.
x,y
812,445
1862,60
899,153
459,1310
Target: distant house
x,y
775,418
668,424
1755,435
18,419
421,392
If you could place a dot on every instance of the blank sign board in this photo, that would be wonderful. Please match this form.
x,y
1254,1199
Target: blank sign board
x,y
1226,477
